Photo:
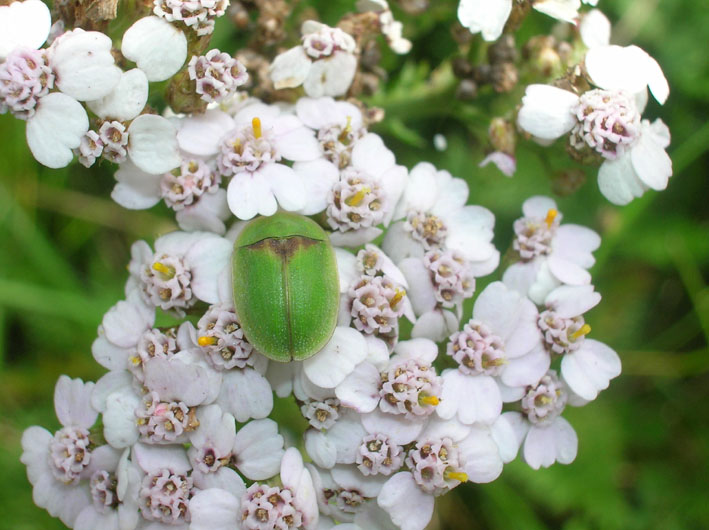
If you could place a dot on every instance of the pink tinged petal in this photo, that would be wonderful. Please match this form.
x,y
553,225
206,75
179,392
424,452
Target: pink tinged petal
x,y
474,399
501,308
152,144
401,430
360,389
407,504
505,436
538,206
156,46
317,113
418,194
175,380
259,448
589,369
64,502
392,182
298,479
55,129
371,155
90,519
280,376
286,186
483,268
507,164
521,276
320,448
546,111
569,301
480,456
331,76
207,258
103,457
152,458
567,271
595,29
619,182
124,323
290,68
214,509
35,452
436,325
423,350
525,335
528,369
452,193
84,66
519,425
119,380
350,478
346,269
575,243
246,394
127,99
72,402
566,10
659,132
510,394
199,135
484,16
119,421
109,355
553,443
135,189
248,194
398,244
225,479
318,177
650,161
377,352
421,290
439,428
355,238
208,213
346,436
23,25
329,367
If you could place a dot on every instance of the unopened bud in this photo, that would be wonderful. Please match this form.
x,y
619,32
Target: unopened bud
x,y
567,182
467,90
502,135
504,77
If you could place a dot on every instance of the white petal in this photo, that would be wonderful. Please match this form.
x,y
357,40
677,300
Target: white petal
x,y
566,10
127,99
320,448
246,394
294,141
546,111
480,455
501,308
286,186
436,325
135,189
505,436
485,16
207,258
618,181
84,66
175,380
474,399
156,46
329,367
208,213
119,421
248,195
55,129
569,301
109,355
214,509
258,449
152,144
400,429
651,163
553,443
289,69
331,76
528,369
318,177
407,505
35,450
23,25
350,478
595,29
360,389
355,238
110,383
152,458
200,134
72,402
371,155
590,369
538,206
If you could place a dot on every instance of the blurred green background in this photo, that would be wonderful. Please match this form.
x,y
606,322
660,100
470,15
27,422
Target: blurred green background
x,y
643,445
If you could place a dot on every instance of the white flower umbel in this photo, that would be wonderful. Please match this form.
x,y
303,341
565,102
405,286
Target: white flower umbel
x,y
196,14
551,254
325,62
605,121
23,25
58,464
547,437
183,269
488,17
432,214
251,152
366,193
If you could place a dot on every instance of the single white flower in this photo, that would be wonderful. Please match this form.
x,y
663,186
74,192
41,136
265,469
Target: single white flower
x,y
23,25
156,46
324,64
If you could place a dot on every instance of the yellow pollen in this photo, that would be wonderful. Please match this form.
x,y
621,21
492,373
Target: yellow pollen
x,y
256,124
135,360
357,198
429,400
207,341
400,293
165,270
551,215
583,330
457,475
543,400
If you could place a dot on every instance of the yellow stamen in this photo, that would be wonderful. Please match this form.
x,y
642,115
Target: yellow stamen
x,y
551,215
207,341
583,330
457,475
165,270
135,360
347,130
429,400
400,293
256,124
543,400
357,198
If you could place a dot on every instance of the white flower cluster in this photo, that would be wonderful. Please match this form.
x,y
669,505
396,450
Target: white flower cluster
x,y
391,420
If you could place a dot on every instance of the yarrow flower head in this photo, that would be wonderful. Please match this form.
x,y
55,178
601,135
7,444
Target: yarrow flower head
x,y
217,75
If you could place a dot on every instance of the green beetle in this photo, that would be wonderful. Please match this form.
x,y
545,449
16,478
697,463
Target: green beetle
x,y
286,287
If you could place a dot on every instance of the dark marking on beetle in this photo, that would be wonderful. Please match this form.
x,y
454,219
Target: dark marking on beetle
x,y
284,247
